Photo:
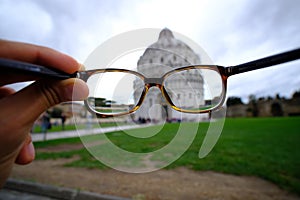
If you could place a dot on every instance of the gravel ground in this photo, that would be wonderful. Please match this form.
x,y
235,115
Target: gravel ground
x,y
180,183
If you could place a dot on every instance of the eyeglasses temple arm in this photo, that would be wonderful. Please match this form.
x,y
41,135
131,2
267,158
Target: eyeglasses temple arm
x,y
264,62
13,66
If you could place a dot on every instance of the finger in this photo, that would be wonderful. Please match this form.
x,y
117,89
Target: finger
x,y
5,91
27,153
38,55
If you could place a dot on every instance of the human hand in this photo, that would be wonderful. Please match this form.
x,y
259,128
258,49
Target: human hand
x,y
20,109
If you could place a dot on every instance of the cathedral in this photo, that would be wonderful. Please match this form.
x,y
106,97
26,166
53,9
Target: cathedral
x,y
162,56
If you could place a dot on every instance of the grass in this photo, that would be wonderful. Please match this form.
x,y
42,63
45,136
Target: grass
x,y
267,148
55,128
262,147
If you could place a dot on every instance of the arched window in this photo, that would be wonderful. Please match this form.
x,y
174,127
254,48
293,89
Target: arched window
x,y
161,59
276,109
150,102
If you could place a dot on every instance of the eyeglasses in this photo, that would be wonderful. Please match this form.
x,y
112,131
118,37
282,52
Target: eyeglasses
x,y
189,89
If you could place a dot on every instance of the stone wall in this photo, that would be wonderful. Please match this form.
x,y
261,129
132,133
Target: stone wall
x,y
266,108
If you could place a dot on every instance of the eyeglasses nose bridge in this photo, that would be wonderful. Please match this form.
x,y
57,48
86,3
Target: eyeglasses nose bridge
x,y
154,82
158,82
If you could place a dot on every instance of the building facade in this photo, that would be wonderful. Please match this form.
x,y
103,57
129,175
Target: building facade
x,y
164,55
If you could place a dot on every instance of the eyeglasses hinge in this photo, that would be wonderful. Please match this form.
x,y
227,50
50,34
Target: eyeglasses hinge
x,y
228,71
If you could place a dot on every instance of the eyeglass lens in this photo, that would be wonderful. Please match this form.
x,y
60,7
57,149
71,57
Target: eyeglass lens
x,y
194,90
113,92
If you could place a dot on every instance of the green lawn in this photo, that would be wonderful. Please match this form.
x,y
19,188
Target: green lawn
x,y
263,147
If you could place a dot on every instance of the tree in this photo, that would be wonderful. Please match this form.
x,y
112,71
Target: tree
x,y
101,102
253,104
231,101
56,112
296,94
252,98
278,96
97,101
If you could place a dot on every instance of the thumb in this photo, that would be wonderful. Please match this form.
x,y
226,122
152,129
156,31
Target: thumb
x,y
25,106
55,92
26,153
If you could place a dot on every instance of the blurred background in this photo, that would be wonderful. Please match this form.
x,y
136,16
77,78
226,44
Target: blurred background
x,y
231,32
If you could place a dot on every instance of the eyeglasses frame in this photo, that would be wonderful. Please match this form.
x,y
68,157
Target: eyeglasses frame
x,y
35,72
154,82
224,72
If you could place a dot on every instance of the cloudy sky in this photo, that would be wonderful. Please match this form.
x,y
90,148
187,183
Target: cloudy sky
x,y
230,31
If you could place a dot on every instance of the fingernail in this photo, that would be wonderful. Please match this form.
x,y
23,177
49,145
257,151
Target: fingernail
x,y
31,150
81,67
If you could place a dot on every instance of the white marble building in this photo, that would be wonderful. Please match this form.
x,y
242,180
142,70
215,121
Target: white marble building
x,y
162,56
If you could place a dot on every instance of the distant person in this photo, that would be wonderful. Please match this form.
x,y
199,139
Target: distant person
x,y
63,121
46,124
20,110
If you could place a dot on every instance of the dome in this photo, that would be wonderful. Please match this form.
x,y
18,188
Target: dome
x,y
165,33
166,40
166,52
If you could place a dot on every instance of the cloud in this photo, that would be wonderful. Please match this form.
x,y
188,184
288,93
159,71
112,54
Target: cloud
x,y
231,32
79,26
74,27
19,21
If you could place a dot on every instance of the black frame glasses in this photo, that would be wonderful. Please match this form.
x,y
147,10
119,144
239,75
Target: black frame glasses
x,y
11,66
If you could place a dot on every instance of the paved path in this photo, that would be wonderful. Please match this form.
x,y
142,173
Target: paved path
x,y
7,194
81,132
25,190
